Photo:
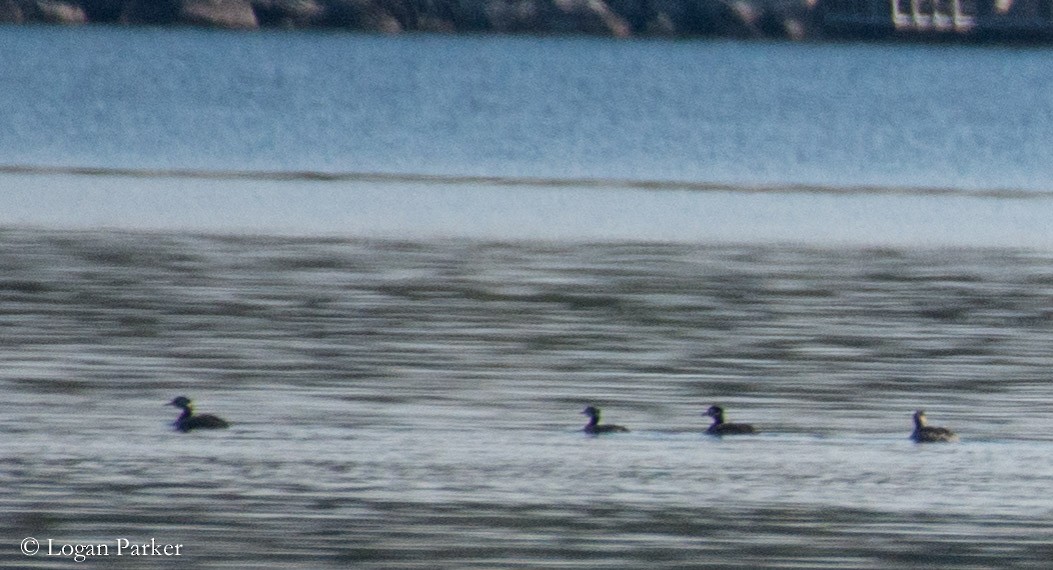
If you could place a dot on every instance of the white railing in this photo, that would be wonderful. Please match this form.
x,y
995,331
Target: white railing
x,y
931,15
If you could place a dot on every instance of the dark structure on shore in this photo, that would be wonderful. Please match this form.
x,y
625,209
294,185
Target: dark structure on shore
x,y
979,20
958,20
617,18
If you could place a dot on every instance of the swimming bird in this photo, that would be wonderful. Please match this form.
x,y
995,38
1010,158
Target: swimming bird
x,y
188,421
719,427
924,433
594,427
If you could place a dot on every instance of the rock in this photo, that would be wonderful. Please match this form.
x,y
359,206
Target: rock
x,y
149,12
234,14
787,19
674,18
726,18
467,15
51,12
10,12
288,13
361,15
102,11
745,19
660,24
791,19
587,16
513,15
635,13
555,17
407,12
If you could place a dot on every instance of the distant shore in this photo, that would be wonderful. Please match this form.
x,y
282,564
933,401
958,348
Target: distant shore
x,y
1008,21
782,19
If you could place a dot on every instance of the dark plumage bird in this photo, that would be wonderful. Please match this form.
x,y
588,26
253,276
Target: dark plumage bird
x,y
594,427
188,421
720,427
924,433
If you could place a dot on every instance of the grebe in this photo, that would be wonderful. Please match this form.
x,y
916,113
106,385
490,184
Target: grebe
x,y
188,421
594,427
720,428
924,433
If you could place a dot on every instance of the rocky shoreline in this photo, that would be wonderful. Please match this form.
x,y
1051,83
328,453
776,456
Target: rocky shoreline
x,y
784,19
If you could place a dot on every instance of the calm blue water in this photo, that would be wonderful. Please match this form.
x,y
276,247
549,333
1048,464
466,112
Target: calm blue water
x,y
869,130
563,108
823,238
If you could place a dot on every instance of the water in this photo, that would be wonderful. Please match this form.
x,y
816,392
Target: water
x,y
402,404
404,352
731,112
580,139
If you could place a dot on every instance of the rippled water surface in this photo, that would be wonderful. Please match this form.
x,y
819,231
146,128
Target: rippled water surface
x,y
536,225
403,404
